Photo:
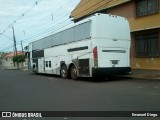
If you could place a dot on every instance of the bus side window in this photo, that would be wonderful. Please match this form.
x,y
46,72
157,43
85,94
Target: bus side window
x,y
46,63
49,63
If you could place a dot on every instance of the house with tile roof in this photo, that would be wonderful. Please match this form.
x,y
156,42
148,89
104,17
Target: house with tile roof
x,y
7,60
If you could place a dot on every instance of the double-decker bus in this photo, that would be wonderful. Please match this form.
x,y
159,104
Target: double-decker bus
x,y
96,46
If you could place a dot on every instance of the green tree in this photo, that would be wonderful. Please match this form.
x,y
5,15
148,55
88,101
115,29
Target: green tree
x,y
19,59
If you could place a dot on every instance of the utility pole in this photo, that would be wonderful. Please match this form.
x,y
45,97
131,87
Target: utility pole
x,y
52,16
22,46
14,38
14,51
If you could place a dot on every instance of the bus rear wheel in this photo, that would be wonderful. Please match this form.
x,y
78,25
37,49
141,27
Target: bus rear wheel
x,y
73,72
64,71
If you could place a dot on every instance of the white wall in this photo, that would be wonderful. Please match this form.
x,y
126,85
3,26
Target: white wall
x,y
8,62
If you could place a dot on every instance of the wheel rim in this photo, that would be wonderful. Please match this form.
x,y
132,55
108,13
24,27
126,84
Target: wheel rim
x,y
73,73
64,71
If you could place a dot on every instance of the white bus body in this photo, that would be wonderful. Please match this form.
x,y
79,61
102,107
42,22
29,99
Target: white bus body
x,y
96,46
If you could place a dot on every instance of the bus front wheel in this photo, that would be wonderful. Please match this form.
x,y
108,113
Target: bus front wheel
x,y
73,72
64,71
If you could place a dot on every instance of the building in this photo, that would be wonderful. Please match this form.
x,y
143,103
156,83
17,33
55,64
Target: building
x,y
144,20
2,54
7,60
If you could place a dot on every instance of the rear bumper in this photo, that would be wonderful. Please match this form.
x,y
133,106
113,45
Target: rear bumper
x,y
111,71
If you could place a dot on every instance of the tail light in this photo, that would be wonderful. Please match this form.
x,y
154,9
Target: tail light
x,y
95,56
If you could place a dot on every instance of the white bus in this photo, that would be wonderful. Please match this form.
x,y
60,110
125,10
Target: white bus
x,y
96,46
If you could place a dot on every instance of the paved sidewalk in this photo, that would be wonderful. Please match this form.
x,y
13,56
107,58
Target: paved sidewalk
x,y
13,68
146,74
9,67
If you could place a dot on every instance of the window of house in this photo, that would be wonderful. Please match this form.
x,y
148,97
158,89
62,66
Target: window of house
x,y
49,63
147,45
145,7
46,63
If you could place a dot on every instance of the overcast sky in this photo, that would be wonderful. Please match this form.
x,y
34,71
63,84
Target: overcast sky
x,y
32,21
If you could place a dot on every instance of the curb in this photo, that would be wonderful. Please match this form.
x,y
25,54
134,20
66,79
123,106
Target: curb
x,y
9,68
145,77
23,69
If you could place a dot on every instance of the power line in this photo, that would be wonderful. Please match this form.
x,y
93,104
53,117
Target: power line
x,y
46,31
52,23
49,18
50,33
58,10
95,5
6,37
91,7
10,46
49,29
23,14
6,48
55,25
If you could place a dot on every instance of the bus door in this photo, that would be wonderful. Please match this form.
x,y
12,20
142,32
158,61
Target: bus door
x,y
41,67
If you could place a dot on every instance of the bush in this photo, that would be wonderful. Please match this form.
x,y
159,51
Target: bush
x,y
19,59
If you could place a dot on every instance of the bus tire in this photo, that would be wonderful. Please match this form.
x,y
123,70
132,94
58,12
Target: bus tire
x,y
64,71
73,72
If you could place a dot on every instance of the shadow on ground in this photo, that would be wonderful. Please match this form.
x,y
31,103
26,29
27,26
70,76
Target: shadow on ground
x,y
89,79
